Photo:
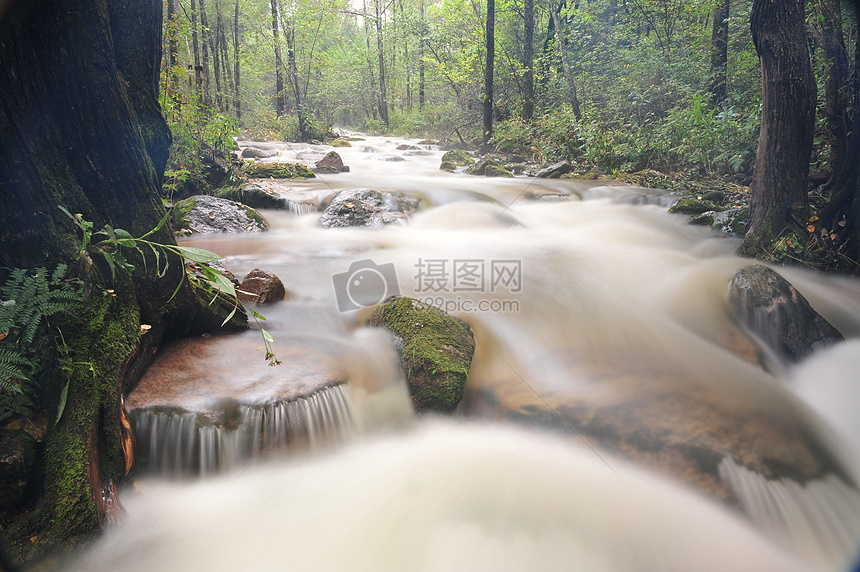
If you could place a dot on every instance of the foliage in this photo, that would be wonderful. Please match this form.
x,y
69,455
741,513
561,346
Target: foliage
x,y
29,300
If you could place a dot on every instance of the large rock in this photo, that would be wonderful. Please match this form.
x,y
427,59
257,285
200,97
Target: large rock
x,y
261,287
435,351
252,153
255,194
480,167
368,207
277,171
17,456
205,214
457,157
773,311
331,163
555,170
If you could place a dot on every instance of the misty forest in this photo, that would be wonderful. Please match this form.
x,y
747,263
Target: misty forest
x,y
429,285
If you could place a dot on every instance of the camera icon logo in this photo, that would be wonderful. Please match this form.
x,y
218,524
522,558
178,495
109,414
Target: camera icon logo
x,y
364,284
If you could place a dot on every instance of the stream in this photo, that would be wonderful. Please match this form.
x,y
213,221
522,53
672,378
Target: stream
x,y
616,417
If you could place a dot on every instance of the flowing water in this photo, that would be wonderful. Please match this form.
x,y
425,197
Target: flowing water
x,y
616,416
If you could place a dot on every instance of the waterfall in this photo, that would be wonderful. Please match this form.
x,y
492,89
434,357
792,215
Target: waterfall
x,y
179,444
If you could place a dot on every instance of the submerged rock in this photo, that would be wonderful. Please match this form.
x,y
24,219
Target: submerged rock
x,y
771,309
340,142
435,351
480,168
457,157
255,194
555,170
205,214
368,207
331,163
261,287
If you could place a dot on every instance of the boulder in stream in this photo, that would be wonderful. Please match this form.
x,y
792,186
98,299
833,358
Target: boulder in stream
x,y
435,351
555,170
330,164
278,171
368,207
457,157
261,287
205,214
771,309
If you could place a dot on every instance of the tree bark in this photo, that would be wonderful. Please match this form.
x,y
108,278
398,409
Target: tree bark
x,y
280,104
207,76
80,126
528,60
365,16
779,188
173,53
565,62
289,34
198,69
383,95
421,44
836,89
236,103
488,75
719,52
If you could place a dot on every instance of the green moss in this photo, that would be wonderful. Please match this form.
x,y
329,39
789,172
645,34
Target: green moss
x,y
340,142
278,171
436,352
693,206
496,171
447,166
457,157
256,217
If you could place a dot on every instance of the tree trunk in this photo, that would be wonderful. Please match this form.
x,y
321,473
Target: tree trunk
x,y
198,69
80,126
225,61
236,104
289,33
421,44
207,77
565,62
375,107
173,54
720,52
488,75
383,96
836,92
528,60
779,188
280,104
209,38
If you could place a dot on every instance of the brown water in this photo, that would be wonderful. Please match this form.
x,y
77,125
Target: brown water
x,y
616,417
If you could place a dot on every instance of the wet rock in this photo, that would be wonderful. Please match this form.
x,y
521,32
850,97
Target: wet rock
x,y
255,194
369,149
340,142
428,142
17,457
206,214
497,171
777,315
418,153
435,351
386,157
278,171
331,163
261,287
716,197
480,167
368,207
516,159
555,170
448,166
457,157
732,221
406,147
310,156
251,153
693,206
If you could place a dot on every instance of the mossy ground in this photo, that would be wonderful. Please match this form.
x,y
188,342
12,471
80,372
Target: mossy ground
x,y
277,171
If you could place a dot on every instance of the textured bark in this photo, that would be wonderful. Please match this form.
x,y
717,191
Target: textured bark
x,y
80,127
528,57
836,89
565,62
380,53
237,102
779,194
719,51
280,104
198,69
488,75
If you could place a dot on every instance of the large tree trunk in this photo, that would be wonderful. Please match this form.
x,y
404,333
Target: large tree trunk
x,y
488,75
173,53
779,188
421,44
528,63
80,126
236,104
207,81
565,61
289,33
836,92
383,95
198,69
720,52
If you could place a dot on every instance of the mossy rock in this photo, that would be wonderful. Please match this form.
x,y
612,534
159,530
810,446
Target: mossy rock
x,y
715,197
435,351
457,157
278,171
733,221
704,219
340,142
179,217
254,195
497,171
448,166
693,207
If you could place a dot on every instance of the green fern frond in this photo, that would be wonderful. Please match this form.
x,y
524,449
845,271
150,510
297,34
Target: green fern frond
x,y
11,373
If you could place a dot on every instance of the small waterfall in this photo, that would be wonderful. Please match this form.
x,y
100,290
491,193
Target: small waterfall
x,y
301,208
177,444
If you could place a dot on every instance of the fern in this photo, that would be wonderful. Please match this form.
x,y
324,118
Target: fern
x,y
11,363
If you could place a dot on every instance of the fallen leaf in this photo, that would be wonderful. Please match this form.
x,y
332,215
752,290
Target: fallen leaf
x,y
810,228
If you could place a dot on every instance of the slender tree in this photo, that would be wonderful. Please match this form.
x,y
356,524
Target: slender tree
x,y
173,52
198,69
383,97
236,103
422,40
528,60
565,60
720,51
280,104
207,82
779,199
488,75
836,75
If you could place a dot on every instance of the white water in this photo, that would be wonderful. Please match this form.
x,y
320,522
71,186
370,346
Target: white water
x,y
620,326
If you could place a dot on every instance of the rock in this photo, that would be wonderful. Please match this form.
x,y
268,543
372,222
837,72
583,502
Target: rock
x,y
310,155
406,147
251,153
693,206
428,142
458,158
435,351
447,166
716,197
819,177
205,214
497,171
480,167
777,315
256,195
703,219
386,157
278,171
355,139
367,207
330,163
516,159
418,153
369,149
17,457
340,142
733,221
261,287
555,170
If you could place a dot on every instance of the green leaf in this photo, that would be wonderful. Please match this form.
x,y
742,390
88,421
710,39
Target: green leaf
x,y
196,254
221,282
64,395
158,226
267,336
257,314
230,315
